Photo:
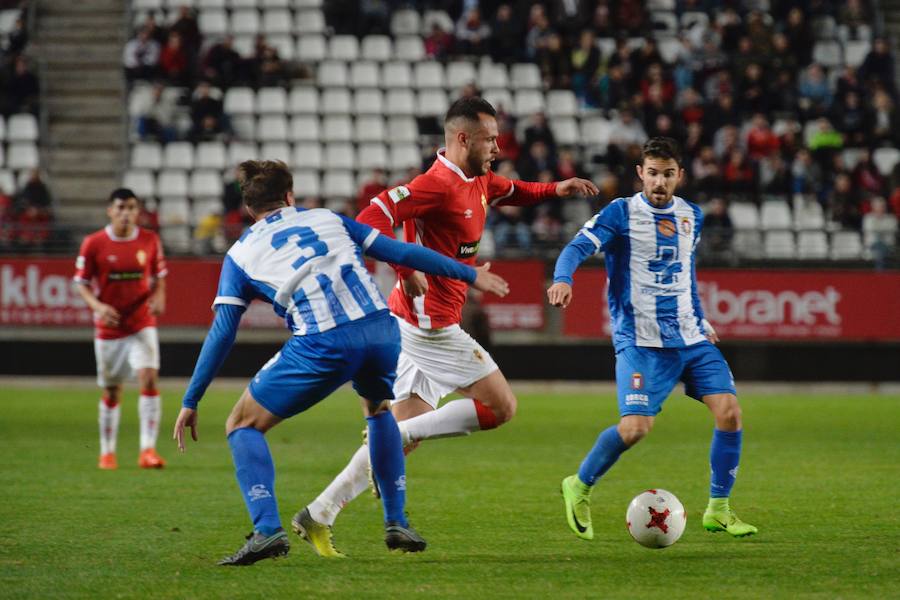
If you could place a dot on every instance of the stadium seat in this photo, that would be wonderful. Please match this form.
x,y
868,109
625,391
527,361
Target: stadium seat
x,y
561,103
565,130
309,21
824,27
238,152
744,215
213,23
283,44
339,155
400,102
308,155
430,18
146,155
459,74
377,47
669,48
337,128
311,48
7,182
277,151
22,128
173,210
202,208
277,21
176,238
500,99
775,214
244,126
779,245
528,102
303,100
691,19
885,159
409,48
332,74
368,102
405,21
178,155
205,184
657,5
205,4
306,183
665,23
595,132
335,102
492,75
338,184
308,3
143,5
855,52
2,156
747,243
239,101
2,128
275,4
828,53
403,129
396,75
364,74
808,214
272,128
305,128
343,47
244,44
525,76
371,156
245,22
403,156
846,245
812,245
210,155
432,103
172,183
271,100
370,128
428,74
141,182
851,156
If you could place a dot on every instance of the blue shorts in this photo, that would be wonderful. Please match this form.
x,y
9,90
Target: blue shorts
x,y
646,376
309,368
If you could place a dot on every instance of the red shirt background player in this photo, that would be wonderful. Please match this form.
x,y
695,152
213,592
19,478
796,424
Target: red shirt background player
x,y
120,274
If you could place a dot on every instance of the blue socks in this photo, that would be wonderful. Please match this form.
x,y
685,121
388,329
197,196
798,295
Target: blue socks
x,y
388,465
724,456
602,456
256,478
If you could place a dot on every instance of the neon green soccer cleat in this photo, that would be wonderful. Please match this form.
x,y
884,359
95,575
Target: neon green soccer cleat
x,y
578,507
317,534
726,520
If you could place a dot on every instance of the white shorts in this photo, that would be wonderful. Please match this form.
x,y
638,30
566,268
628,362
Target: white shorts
x,y
118,359
435,362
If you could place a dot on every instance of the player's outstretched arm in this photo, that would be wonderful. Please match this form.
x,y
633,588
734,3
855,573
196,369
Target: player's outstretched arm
x,y
559,294
576,186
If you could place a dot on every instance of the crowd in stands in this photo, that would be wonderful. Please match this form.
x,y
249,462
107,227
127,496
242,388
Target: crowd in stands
x,y
26,206
760,111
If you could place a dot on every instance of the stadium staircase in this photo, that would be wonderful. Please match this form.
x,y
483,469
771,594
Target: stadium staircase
x,y
890,9
79,43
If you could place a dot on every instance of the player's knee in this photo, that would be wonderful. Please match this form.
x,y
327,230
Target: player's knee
x,y
633,430
728,415
111,396
505,410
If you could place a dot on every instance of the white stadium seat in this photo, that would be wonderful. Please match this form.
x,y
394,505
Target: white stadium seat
x,y
339,155
174,210
565,130
744,215
846,245
409,48
2,128
146,155
332,74
305,128
277,151
561,103
338,184
205,207
343,47
459,74
335,102
828,53
205,184
239,101
525,76
337,128
311,48
22,128
172,183
236,3
595,133
141,182
370,128
779,245
528,102
283,44
403,156
808,214
303,100
432,103
271,100
364,74
812,245
306,183
403,129
396,75
213,23
428,75
308,155
371,156
492,75
245,44
400,102
277,21
245,22
855,52
885,159
7,182
238,152
275,3
377,47
747,243
309,21
244,126
210,155
368,102
775,214
405,21
272,128
178,155
500,99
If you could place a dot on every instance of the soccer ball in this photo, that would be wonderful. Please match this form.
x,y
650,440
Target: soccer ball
x,y
655,518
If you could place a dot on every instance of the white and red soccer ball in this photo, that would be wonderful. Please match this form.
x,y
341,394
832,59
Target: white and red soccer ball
x,y
655,518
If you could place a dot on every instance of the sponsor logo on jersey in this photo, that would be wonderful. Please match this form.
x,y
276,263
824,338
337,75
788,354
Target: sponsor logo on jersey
x,y
126,275
666,227
637,400
141,257
685,225
468,213
398,193
468,249
637,381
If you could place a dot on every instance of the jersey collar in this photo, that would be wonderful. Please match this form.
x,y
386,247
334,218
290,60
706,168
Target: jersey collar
x,y
115,238
665,209
446,162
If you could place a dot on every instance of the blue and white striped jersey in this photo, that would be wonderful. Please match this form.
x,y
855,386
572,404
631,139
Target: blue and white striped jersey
x,y
651,274
306,263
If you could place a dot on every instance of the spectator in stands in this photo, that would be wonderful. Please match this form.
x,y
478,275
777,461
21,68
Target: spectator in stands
x,y
630,16
878,66
506,36
223,65
851,120
567,166
782,95
570,16
866,177
774,176
374,16
186,26
23,90
537,159
538,30
706,172
173,61
752,92
879,231
506,140
601,21
510,229
208,118
546,228
730,28
156,116
815,93
654,81
853,14
782,57
883,123
438,43
642,61
585,62
34,213
625,130
553,61
725,141
35,193
7,219
472,33
718,231
156,33
609,90
800,36
539,131
371,187
141,57
17,38
825,141
761,140
845,206
737,175
234,214
806,175
269,70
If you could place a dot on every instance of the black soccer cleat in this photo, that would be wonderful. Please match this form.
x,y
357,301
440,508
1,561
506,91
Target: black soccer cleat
x,y
402,539
258,547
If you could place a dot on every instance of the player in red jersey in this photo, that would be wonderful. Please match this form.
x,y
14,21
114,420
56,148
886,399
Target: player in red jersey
x,y
120,274
444,209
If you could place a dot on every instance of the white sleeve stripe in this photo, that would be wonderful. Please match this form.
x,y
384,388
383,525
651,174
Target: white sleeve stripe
x,y
591,237
162,273
370,239
229,300
512,188
81,280
377,202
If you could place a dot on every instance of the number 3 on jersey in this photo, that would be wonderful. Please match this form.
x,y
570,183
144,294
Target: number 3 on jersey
x,y
307,240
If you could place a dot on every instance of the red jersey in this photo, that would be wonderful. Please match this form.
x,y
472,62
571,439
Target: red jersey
x,y
444,210
122,269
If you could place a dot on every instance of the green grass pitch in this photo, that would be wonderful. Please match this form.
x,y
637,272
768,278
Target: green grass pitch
x,y
818,476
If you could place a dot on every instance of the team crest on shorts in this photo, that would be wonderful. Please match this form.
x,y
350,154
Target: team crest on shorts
x,y
685,225
666,227
141,257
637,381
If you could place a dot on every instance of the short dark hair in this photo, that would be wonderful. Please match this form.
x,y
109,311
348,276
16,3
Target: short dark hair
x,y
469,108
661,147
264,184
122,193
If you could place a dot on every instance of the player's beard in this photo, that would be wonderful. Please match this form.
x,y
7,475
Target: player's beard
x,y
481,167
659,196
